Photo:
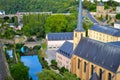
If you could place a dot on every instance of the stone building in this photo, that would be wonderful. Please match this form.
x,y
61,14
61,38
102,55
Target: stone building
x,y
100,11
94,54
55,40
64,55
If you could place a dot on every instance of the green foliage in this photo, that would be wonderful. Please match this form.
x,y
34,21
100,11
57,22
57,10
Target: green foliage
x,y
51,75
38,5
53,62
42,60
63,69
6,18
60,23
34,25
89,6
118,16
48,75
69,76
19,71
16,21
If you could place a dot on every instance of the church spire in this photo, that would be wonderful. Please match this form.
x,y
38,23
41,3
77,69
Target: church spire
x,y
79,25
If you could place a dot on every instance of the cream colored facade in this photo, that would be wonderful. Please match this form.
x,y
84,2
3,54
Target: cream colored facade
x,y
55,44
77,37
63,61
100,11
102,36
86,75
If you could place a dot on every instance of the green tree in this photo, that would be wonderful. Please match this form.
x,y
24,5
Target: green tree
x,y
63,69
118,16
69,76
19,72
53,62
16,21
55,23
48,75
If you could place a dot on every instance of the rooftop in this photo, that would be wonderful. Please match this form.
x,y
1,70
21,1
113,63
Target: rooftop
x,y
116,43
106,29
66,49
99,53
60,36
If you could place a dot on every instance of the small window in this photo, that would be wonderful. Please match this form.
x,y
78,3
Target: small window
x,y
75,34
92,69
85,66
78,63
100,74
109,76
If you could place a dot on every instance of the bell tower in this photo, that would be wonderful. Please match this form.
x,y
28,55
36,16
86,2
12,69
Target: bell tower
x,y
79,31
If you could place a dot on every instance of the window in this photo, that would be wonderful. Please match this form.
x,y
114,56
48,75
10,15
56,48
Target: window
x,y
109,76
85,66
92,69
75,34
100,74
78,63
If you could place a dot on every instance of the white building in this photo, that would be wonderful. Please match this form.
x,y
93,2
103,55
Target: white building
x,y
2,12
117,25
118,9
55,40
64,54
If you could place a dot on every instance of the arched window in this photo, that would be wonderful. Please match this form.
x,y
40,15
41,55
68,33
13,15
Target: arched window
x,y
92,69
78,63
100,74
109,76
85,64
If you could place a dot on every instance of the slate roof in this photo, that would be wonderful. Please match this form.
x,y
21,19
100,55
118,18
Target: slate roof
x,y
79,24
66,49
99,53
60,36
94,77
100,4
91,17
116,43
106,29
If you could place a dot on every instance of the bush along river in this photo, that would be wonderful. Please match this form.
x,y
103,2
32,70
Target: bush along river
x,y
31,61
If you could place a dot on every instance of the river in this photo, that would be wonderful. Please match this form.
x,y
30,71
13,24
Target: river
x,y
32,62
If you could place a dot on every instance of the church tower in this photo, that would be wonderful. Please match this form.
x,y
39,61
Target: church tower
x,y
79,31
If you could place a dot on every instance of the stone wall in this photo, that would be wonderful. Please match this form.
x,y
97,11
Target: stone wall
x,y
4,71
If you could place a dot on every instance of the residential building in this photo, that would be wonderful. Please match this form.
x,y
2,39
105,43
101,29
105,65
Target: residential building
x,y
117,25
64,55
118,9
55,40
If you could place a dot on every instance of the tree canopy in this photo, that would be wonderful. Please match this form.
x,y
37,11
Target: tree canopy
x,y
19,72
52,75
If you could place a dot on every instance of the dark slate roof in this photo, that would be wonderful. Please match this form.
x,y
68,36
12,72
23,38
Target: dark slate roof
x,y
100,4
99,53
60,36
91,17
66,49
116,43
80,25
106,29
94,77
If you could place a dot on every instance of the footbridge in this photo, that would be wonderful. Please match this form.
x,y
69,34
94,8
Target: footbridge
x,y
32,44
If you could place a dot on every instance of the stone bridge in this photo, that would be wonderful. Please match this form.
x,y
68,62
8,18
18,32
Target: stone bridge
x,y
32,44
4,41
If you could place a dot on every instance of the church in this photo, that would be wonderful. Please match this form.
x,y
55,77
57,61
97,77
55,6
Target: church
x,y
96,57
